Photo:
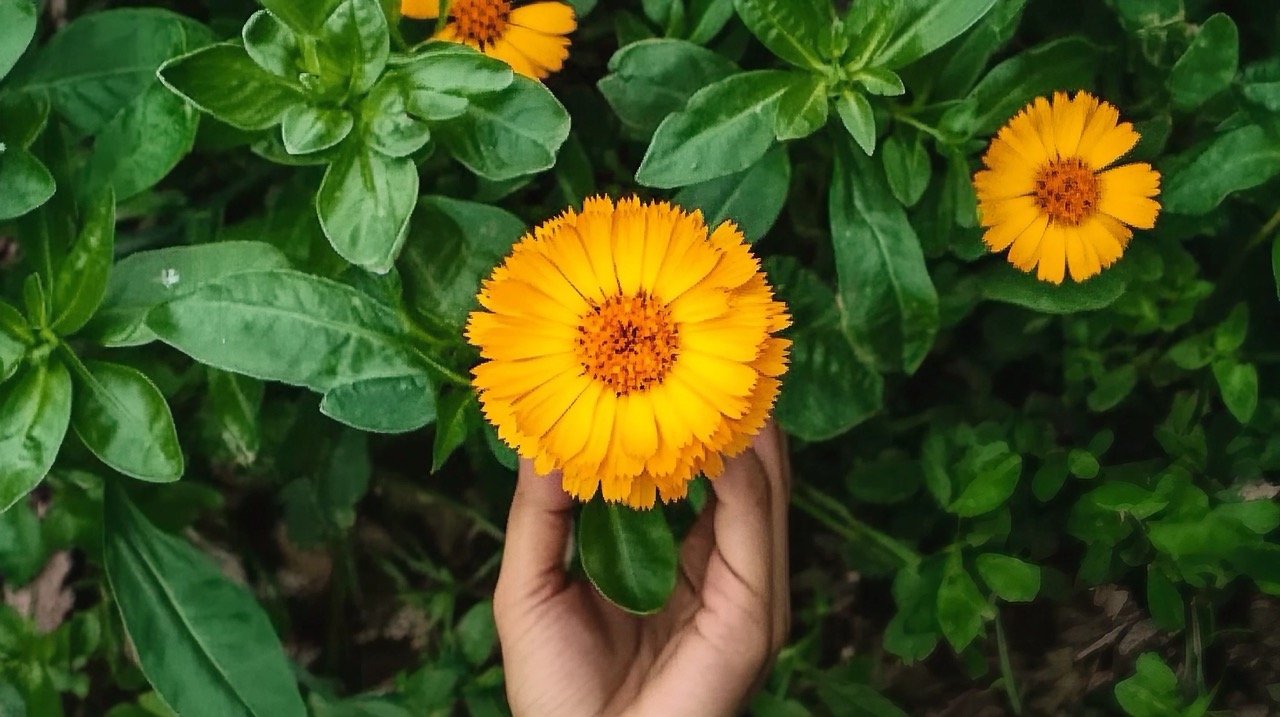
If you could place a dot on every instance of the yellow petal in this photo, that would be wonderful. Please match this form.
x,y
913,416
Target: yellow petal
x,y
503,49
420,9
545,52
1052,255
1025,250
552,18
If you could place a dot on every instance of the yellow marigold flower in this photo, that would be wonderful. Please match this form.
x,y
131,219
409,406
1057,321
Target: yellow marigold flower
x,y
629,348
530,38
1047,191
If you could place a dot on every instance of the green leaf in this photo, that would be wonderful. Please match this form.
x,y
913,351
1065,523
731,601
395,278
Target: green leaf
x,y
1012,579
706,18
961,607
628,554
201,640
508,134
458,70
858,119
879,81
1121,497
364,205
798,31
1238,383
752,198
305,16
35,409
1229,335
141,144
1152,691
452,246
27,184
307,128
1082,464
142,281
356,41
1009,86
1006,284
223,81
25,116
725,128
912,634
1239,159
1163,600
924,26
394,404
122,417
97,66
802,109
992,473
477,634
906,167
22,549
452,415
286,326
272,45
15,337
233,404
890,305
17,27
82,279
651,79
389,128
1209,64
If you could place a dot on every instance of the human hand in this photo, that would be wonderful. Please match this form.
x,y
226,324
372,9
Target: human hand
x,y
567,651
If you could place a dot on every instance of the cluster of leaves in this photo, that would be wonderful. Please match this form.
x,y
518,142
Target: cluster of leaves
x,y
238,245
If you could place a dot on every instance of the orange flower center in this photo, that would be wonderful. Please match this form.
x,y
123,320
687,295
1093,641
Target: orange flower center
x,y
1067,190
628,342
480,21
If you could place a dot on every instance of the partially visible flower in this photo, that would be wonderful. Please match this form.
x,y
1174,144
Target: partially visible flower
x,y
1047,191
530,38
628,348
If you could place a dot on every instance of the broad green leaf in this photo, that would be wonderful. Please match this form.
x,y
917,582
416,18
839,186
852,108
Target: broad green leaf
x,y
798,31
389,128
35,408
725,128
223,81
508,134
628,554
957,71
27,184
453,413
272,45
912,634
651,79
15,337
1239,159
1152,692
1068,62
907,168
1012,579
82,279
308,128
1209,64
961,607
25,117
233,405
22,550
890,305
925,25
1006,284
858,119
802,109
1082,464
452,246
1122,497
141,144
477,634
142,281
355,41
304,16
286,326
202,641
992,473
458,70
1229,335
1238,383
879,81
364,205
706,18
752,198
17,27
98,65
395,404
1163,600
121,416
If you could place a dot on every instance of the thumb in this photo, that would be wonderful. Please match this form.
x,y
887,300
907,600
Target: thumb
x,y
533,554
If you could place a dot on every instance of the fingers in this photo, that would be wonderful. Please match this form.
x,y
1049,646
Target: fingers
x,y
743,523
771,446
537,530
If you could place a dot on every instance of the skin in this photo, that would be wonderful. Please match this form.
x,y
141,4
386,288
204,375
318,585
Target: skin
x,y
568,651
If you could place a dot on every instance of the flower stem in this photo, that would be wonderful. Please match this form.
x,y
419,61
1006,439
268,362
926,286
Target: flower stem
x,y
1006,669
839,520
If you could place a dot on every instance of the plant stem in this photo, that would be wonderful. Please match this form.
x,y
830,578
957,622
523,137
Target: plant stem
x,y
1006,669
839,520
931,131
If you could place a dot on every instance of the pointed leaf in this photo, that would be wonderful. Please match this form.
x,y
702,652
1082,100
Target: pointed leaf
x,y
82,279
123,418
629,554
364,205
35,408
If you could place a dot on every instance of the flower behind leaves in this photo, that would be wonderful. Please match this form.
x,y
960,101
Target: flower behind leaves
x,y
629,348
1050,194
530,38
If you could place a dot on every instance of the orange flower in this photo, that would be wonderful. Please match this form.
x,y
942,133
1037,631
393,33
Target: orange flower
x,y
1049,190
629,348
530,38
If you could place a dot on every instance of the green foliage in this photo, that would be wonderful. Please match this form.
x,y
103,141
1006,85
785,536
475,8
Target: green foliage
x,y
238,249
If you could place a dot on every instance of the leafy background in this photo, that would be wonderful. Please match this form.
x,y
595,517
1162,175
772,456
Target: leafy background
x,y
237,248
